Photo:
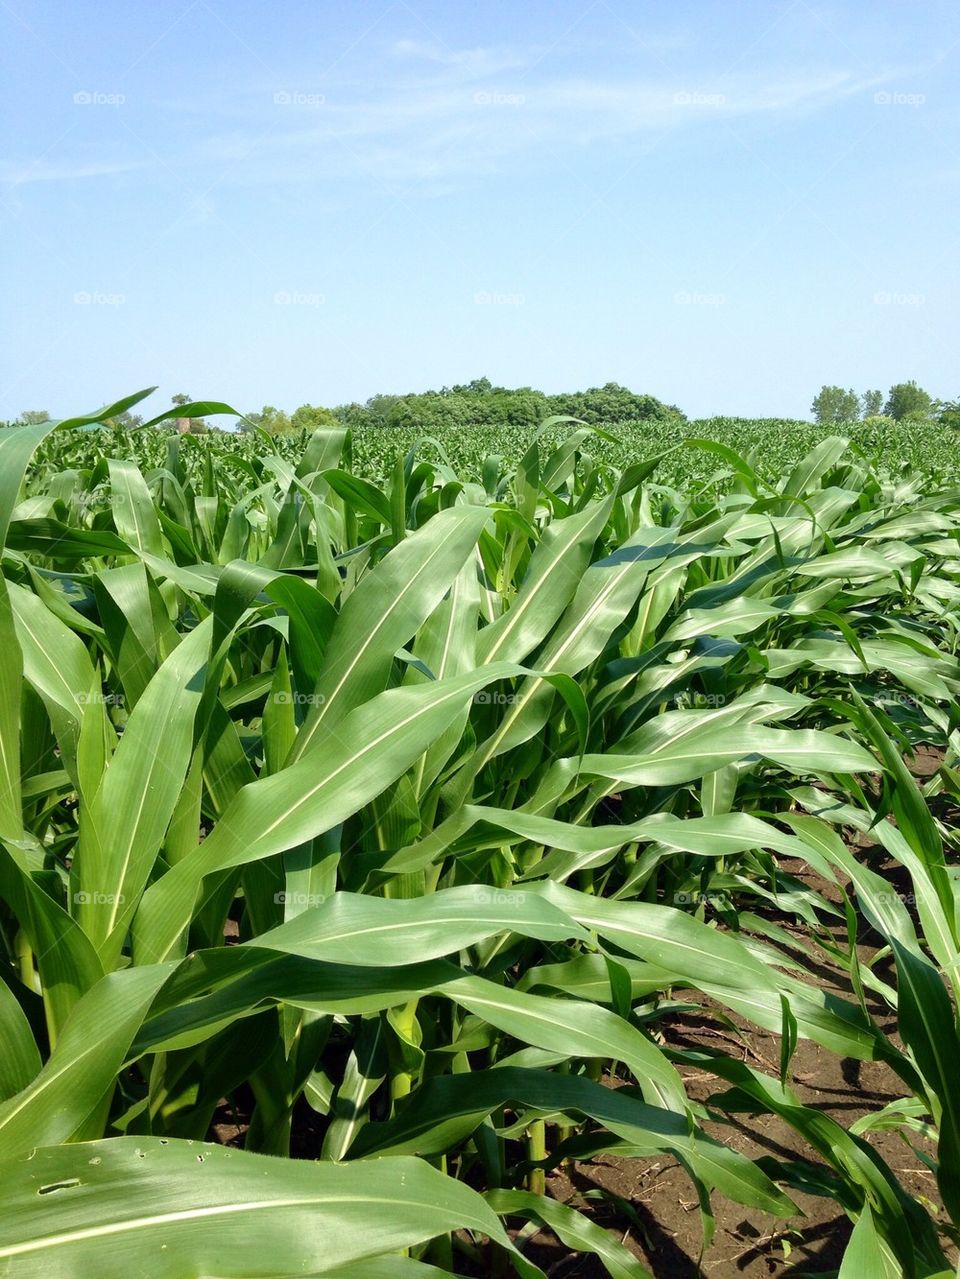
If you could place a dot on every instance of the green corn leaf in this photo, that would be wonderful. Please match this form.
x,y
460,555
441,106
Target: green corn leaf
x,y
571,1228
181,1207
81,1070
928,1025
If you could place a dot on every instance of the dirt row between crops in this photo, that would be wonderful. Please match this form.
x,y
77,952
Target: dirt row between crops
x,y
660,1220
662,1226
657,1215
651,1205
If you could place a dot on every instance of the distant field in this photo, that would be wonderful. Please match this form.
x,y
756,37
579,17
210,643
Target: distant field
x,y
772,445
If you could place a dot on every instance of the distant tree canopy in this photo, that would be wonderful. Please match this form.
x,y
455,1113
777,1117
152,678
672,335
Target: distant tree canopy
x,y
905,402
833,405
871,404
273,421
309,417
613,403
480,403
460,406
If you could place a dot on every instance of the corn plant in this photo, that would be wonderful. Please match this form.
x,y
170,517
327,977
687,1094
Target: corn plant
x,y
405,815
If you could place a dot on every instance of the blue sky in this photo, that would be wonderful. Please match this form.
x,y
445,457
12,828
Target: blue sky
x,y
722,204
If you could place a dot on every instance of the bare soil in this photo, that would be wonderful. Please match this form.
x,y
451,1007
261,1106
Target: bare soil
x,y
650,1205
662,1225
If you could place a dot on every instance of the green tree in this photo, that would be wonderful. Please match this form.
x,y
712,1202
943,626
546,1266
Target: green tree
x,y
949,414
379,408
871,403
34,417
471,405
480,403
309,417
612,403
833,404
353,415
907,397
273,421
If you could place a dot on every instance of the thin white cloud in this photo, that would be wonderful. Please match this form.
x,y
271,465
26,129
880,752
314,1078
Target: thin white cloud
x,y
462,63
65,171
445,130
434,115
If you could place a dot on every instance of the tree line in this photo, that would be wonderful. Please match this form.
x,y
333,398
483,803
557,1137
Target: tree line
x,y
479,403
474,404
904,402
471,404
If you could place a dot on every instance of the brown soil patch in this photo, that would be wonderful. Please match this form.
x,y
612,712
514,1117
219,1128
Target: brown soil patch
x,y
658,1217
650,1204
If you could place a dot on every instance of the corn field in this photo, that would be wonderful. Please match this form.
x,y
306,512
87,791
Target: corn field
x,y
407,807
461,453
